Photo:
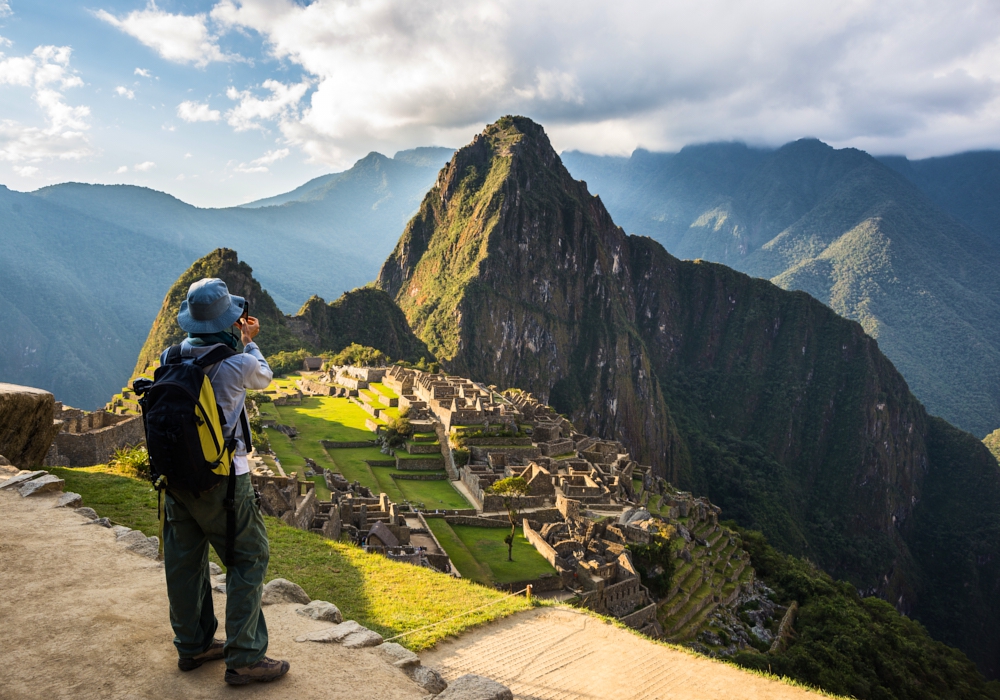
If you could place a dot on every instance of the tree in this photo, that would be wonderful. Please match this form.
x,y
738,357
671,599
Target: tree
x,y
511,490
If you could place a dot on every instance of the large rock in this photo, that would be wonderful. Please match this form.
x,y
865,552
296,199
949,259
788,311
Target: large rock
x,y
398,655
136,541
322,610
283,591
43,484
88,513
428,679
70,500
350,634
473,687
18,479
27,424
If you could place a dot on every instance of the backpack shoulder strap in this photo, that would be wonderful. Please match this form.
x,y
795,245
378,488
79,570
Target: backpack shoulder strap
x,y
173,355
217,355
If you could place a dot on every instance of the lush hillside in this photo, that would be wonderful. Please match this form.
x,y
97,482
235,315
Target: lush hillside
x,y
782,412
365,316
84,267
843,227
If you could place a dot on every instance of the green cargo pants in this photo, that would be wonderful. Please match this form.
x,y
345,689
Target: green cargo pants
x,y
191,525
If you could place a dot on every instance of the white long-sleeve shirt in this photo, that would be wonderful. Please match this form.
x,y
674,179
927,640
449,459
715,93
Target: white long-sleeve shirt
x,y
230,380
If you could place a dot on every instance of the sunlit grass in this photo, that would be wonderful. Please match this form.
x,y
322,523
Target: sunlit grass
x,y
480,553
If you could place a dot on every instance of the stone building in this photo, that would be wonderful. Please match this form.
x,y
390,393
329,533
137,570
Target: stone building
x,y
88,438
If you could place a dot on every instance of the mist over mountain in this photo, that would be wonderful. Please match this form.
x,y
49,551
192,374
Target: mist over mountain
x,y
850,231
966,185
782,412
84,266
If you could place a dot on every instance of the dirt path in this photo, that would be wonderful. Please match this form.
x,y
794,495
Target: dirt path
x,y
558,653
81,618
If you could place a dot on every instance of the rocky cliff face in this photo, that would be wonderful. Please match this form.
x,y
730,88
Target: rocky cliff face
x,y
782,412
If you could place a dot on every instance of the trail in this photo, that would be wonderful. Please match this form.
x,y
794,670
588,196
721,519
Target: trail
x,y
80,617
557,653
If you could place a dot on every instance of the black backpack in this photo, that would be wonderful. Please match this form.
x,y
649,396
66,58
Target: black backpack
x,y
185,431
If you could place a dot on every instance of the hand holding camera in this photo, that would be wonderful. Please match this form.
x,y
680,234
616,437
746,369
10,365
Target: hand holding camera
x,y
249,326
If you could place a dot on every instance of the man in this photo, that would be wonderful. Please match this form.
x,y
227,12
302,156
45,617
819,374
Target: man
x,y
211,315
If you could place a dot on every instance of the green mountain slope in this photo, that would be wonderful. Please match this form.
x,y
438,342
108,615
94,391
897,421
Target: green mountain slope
x,y
843,227
84,267
365,316
782,412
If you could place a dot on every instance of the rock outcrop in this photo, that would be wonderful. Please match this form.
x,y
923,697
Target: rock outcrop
x,y
27,424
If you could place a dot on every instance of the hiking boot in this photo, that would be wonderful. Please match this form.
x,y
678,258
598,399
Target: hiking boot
x,y
261,672
213,653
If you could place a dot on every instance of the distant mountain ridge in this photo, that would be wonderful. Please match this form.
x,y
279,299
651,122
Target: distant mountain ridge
x,y
84,267
782,412
844,227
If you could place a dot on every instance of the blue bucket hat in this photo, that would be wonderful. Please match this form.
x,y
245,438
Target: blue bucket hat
x,y
209,307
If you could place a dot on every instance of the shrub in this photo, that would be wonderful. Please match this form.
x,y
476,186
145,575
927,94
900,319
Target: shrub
x,y
286,362
131,461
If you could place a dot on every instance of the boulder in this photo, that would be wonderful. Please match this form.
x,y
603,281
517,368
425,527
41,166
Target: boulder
x,y
473,687
428,679
103,522
43,484
350,634
283,591
27,424
214,569
136,541
6,468
88,513
398,655
322,610
70,500
21,477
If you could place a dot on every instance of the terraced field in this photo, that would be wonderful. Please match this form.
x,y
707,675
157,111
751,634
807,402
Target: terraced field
x,y
480,553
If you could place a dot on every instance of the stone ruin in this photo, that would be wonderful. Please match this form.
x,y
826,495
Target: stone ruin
x,y
87,438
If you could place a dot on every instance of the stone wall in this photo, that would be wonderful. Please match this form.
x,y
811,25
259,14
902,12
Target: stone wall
x,y
539,543
98,446
475,521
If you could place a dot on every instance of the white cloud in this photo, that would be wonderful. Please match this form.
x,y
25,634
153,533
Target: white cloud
x,y
47,71
259,165
272,156
26,170
121,169
177,38
282,104
197,112
188,155
5,8
124,92
609,76
143,72
144,167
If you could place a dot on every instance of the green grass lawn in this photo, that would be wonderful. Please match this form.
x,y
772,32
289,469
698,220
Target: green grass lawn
x,y
481,554
435,495
268,410
327,418
384,390
350,462
386,596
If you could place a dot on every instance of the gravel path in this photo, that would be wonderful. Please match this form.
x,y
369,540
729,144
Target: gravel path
x,y
82,618
558,653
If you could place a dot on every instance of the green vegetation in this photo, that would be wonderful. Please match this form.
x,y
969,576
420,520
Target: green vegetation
x,y
992,442
480,553
386,596
360,356
856,646
286,362
655,562
511,490
131,461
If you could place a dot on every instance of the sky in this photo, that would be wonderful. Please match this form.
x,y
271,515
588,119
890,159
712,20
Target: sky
x,y
223,102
